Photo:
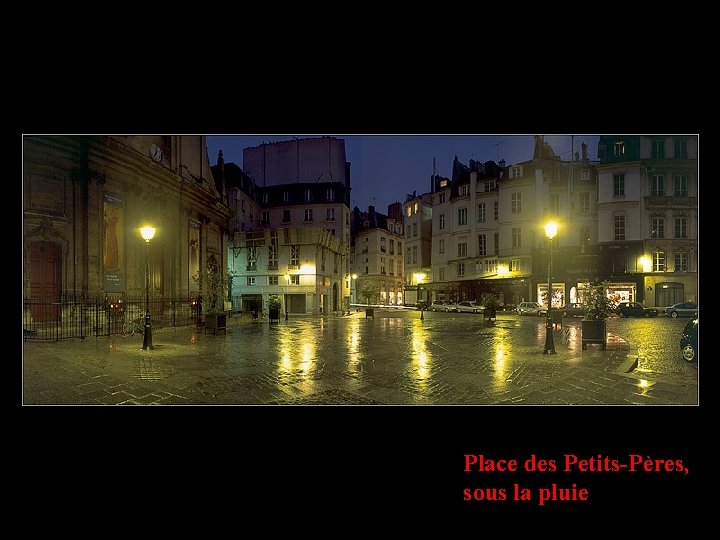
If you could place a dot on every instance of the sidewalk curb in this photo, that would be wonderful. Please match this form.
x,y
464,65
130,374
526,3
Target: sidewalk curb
x,y
630,364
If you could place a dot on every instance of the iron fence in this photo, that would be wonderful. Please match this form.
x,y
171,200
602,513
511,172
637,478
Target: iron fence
x,y
81,318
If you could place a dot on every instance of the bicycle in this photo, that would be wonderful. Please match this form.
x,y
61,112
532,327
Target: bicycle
x,y
130,326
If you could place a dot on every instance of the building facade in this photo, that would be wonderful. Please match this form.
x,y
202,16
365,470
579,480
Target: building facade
x,y
377,257
418,217
318,159
84,201
648,217
290,240
488,229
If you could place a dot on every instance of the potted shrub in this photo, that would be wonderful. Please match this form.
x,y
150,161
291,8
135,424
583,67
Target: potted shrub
x,y
491,303
213,287
274,305
598,307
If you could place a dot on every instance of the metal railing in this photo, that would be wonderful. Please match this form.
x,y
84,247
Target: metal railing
x,y
81,318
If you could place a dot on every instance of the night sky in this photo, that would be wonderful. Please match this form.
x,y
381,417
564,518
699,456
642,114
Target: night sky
x,y
384,168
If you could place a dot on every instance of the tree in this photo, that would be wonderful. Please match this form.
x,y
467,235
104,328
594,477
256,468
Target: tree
x,y
489,301
598,305
213,288
369,289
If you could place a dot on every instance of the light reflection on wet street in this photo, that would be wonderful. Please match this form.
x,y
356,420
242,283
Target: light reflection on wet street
x,y
397,358
394,358
656,340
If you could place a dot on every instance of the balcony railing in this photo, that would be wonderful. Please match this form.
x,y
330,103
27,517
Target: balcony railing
x,y
670,202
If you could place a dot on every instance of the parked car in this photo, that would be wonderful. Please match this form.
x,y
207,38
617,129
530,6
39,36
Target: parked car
x,y
635,309
468,307
531,308
689,341
443,305
684,309
573,310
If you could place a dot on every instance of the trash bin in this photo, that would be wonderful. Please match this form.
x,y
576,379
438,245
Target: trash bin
x,y
369,312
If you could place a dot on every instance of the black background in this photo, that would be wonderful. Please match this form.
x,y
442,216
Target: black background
x,y
357,464
346,470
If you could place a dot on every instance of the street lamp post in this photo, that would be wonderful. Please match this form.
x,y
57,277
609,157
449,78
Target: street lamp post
x,y
550,231
147,233
287,284
419,277
353,295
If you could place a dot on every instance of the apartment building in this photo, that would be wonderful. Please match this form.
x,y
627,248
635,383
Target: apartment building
x,y
377,257
648,217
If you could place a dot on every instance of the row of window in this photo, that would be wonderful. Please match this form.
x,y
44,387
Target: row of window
x,y
657,185
462,247
681,261
491,267
657,230
253,253
382,246
309,196
393,266
414,230
657,188
515,208
412,209
657,148
657,227
286,198
271,280
631,263
309,215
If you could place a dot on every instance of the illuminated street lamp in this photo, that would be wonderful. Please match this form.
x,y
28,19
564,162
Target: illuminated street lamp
x,y
550,231
147,233
287,285
419,277
353,288
353,291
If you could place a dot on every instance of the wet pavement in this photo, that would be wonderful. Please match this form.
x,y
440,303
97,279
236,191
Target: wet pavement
x,y
391,359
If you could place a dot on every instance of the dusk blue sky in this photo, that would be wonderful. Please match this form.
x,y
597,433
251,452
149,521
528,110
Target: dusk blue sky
x,y
384,168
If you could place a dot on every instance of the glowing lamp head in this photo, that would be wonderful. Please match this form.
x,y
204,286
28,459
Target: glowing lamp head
x,y
147,233
420,277
551,229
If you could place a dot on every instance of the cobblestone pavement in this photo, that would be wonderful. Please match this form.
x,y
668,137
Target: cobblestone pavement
x,y
391,359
